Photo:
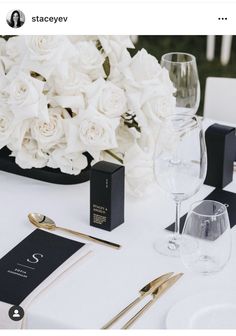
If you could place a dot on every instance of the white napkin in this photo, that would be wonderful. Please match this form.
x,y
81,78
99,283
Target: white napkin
x,y
7,323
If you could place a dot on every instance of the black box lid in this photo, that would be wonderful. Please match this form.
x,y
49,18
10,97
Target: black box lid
x,y
106,167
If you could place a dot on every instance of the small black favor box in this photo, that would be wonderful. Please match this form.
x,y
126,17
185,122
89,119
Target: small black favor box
x,y
107,188
220,143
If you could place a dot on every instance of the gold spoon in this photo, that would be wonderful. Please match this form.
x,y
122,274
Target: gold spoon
x,y
44,222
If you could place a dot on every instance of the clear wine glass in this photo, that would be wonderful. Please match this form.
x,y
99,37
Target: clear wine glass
x,y
183,73
180,163
206,238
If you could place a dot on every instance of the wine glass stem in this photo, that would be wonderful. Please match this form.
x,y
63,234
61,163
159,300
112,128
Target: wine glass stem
x,y
177,218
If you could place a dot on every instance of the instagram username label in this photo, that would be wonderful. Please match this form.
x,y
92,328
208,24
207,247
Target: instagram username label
x,y
51,19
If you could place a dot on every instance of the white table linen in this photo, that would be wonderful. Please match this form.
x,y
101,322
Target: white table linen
x,y
101,286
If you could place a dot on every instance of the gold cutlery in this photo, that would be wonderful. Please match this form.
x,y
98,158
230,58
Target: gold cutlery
x,y
156,293
146,290
47,223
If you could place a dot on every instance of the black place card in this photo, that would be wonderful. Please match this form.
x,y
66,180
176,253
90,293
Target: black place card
x,y
222,196
29,263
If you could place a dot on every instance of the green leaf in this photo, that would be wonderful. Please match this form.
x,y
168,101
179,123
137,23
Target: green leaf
x,y
107,67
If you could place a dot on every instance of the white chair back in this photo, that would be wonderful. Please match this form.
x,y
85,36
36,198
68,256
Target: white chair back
x,y
220,99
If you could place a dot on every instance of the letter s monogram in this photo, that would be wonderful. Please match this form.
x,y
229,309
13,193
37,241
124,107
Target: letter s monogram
x,y
34,256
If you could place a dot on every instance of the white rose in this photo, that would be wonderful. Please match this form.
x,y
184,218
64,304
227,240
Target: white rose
x,y
26,98
15,48
138,172
44,53
29,155
69,163
144,67
6,125
90,60
158,108
97,131
112,101
49,134
68,81
91,131
108,98
115,46
43,47
21,130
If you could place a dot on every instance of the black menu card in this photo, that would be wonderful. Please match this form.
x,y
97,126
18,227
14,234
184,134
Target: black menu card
x,y
31,262
222,196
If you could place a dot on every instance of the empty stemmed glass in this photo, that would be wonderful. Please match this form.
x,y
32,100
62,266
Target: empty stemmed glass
x,y
206,238
180,162
183,73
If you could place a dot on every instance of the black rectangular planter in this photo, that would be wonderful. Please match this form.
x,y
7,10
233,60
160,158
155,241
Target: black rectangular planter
x,y
46,174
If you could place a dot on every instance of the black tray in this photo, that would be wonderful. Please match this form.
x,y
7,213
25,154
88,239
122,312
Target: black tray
x,y
7,163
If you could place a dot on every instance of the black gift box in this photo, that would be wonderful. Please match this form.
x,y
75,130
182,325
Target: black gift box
x,y
107,195
220,142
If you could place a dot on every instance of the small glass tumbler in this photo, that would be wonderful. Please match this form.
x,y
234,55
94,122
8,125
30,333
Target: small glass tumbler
x,y
206,238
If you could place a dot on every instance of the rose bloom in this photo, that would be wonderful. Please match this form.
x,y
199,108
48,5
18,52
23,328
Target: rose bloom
x,y
26,98
15,48
49,133
90,60
112,101
97,131
43,47
158,108
108,98
115,46
44,53
69,163
68,81
144,66
30,155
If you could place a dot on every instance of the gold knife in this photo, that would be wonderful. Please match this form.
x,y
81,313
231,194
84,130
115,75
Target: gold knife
x,y
146,290
156,295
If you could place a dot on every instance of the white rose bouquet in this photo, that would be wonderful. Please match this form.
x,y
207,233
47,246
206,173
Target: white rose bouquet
x,y
62,96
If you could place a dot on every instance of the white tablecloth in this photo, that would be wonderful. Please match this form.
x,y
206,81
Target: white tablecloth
x,y
100,287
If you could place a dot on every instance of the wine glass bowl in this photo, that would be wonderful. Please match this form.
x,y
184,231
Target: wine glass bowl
x,y
183,73
180,156
206,239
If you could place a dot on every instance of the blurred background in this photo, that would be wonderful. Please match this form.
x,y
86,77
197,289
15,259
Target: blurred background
x,y
196,45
